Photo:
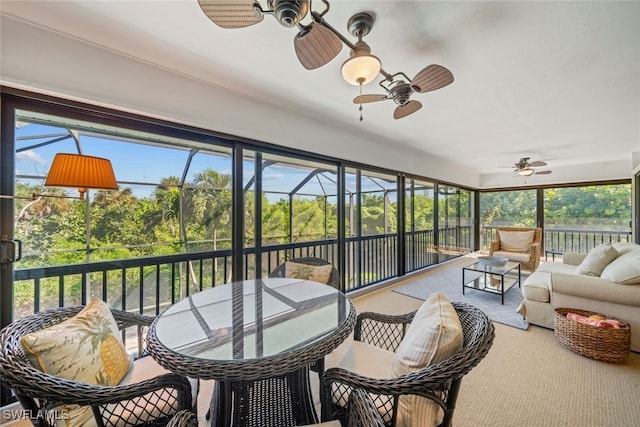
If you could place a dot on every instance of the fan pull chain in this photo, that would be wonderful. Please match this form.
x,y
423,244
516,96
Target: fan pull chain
x,y
360,109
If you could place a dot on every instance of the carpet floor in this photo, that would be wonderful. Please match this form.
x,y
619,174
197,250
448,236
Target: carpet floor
x,y
528,379
448,281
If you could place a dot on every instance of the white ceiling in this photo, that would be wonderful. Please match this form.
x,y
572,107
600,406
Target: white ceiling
x,y
554,81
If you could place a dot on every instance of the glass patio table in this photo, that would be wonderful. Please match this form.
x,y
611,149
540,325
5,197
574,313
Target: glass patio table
x,y
493,279
257,339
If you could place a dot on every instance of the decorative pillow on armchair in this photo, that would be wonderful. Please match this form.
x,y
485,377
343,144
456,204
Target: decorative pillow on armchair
x,y
315,273
434,335
516,241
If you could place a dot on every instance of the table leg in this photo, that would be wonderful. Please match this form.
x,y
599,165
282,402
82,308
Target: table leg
x,y
285,400
463,283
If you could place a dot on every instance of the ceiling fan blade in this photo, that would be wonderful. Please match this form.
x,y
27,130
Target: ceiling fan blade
x,y
316,45
406,109
547,172
431,78
537,163
363,99
232,13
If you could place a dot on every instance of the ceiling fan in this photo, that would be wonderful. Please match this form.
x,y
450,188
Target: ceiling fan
x,y
317,43
399,88
524,167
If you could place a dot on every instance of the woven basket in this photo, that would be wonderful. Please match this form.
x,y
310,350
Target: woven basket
x,y
606,344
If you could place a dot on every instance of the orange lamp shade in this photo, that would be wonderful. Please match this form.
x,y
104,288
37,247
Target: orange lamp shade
x,y
81,172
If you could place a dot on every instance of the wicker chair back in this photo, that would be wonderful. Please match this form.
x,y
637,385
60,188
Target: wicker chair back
x,y
36,390
334,277
534,251
439,382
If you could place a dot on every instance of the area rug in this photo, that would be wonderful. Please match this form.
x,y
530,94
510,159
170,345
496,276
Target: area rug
x,y
449,283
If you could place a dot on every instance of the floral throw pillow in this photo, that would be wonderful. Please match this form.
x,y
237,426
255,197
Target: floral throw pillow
x,y
315,273
86,347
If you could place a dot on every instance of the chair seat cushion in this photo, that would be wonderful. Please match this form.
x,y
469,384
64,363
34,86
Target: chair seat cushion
x,y
514,256
434,335
369,361
135,411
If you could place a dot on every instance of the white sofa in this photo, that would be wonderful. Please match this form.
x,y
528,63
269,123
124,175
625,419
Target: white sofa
x,y
615,291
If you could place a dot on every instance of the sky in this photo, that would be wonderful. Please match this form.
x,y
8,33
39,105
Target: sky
x,y
140,162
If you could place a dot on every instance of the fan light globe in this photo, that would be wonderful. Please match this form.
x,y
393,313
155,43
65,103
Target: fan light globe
x,y
526,172
362,67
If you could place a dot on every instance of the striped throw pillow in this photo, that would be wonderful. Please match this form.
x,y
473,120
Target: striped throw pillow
x,y
435,334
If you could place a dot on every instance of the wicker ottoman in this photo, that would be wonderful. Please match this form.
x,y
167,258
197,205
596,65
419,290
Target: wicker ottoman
x,y
606,344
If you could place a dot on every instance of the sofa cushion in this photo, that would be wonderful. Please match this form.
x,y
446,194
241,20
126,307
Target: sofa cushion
x,y
316,273
624,270
573,258
435,334
596,289
556,267
516,241
625,247
597,259
536,287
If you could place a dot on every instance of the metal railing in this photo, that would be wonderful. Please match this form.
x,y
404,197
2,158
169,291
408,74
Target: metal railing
x,y
565,239
149,284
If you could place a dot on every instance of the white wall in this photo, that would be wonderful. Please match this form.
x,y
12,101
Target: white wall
x,y
592,172
40,61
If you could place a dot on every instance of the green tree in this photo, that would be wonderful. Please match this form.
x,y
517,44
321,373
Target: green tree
x,y
117,219
210,205
164,220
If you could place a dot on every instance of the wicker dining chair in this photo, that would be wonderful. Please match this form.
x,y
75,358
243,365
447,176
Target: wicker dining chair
x,y
334,281
439,382
334,277
151,401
